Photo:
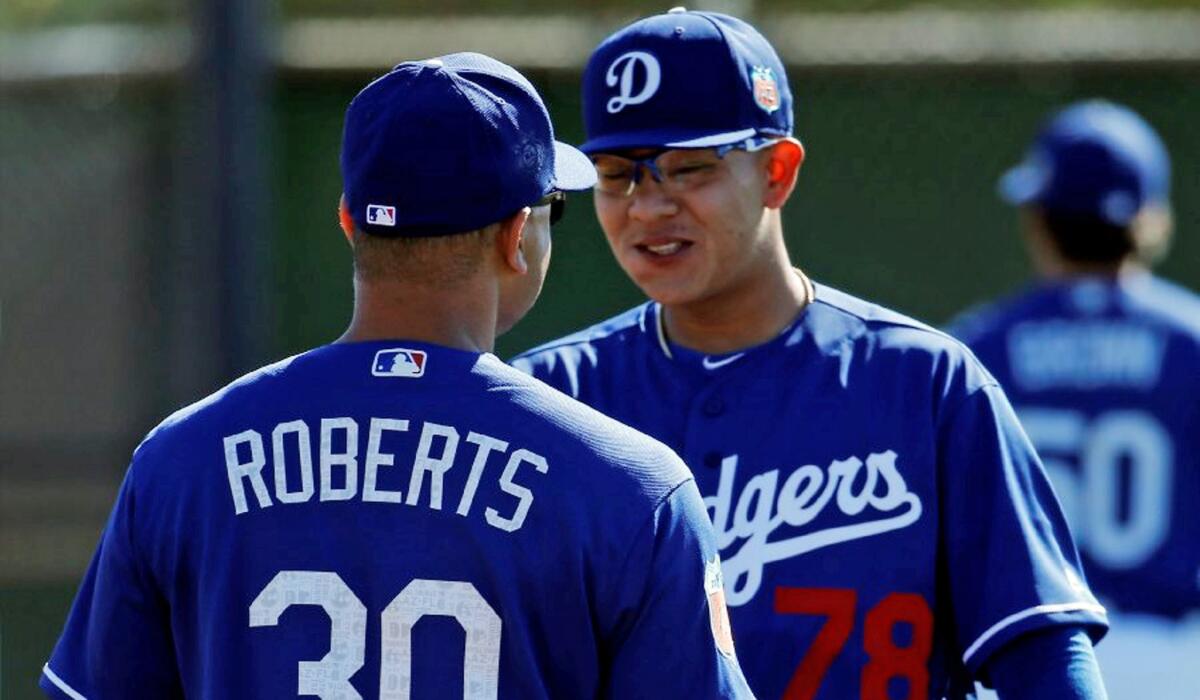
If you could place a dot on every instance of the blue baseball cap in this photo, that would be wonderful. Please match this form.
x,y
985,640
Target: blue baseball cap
x,y
684,80
449,145
1093,158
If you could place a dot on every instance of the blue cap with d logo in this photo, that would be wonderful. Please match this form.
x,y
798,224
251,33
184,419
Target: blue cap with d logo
x,y
684,80
1095,159
449,145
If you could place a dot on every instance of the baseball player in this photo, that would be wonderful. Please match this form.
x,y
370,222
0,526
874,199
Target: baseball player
x,y
886,530
1100,358
400,514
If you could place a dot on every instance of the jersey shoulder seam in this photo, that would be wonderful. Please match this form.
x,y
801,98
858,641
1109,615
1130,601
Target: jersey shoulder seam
x,y
590,334
658,503
972,393
900,321
897,320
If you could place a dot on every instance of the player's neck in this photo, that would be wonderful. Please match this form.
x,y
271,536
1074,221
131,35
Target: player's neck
x,y
461,318
1058,269
749,315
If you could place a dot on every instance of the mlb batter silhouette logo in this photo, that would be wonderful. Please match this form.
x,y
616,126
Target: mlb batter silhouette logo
x,y
399,362
381,215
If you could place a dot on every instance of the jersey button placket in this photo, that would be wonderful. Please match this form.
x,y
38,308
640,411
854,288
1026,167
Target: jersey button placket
x,y
713,406
707,442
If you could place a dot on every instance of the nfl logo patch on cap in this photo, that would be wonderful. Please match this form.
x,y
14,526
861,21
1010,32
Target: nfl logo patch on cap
x,y
766,90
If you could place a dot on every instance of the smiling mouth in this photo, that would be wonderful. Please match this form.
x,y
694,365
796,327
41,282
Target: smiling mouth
x,y
664,249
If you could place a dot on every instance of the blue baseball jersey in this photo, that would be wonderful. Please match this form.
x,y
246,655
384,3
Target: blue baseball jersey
x,y
1105,375
884,523
395,520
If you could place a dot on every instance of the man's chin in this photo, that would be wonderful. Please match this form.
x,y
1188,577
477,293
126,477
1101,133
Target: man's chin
x,y
668,288
668,296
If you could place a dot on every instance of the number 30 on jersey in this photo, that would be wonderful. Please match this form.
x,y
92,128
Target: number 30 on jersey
x,y
329,678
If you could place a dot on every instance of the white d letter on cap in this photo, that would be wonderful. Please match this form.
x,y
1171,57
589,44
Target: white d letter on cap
x,y
626,63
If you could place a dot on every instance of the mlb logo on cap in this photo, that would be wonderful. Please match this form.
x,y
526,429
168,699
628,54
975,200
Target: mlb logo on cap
x,y
381,215
399,362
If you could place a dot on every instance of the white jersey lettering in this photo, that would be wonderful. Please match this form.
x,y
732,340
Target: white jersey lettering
x,y
429,484
762,507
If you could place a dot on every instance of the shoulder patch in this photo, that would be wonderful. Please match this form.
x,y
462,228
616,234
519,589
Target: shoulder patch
x,y
718,613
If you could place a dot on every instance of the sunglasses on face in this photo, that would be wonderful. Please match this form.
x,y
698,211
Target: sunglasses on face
x,y
557,200
677,170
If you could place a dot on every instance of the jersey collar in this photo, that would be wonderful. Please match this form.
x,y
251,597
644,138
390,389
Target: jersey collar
x,y
712,362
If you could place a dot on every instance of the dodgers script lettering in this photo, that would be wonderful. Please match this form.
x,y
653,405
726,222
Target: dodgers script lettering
x,y
882,504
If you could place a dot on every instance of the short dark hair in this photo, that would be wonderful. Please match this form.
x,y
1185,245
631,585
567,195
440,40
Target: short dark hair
x,y
427,261
1087,238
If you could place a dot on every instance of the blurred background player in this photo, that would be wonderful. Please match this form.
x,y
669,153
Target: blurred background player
x,y
1102,360
886,528
399,514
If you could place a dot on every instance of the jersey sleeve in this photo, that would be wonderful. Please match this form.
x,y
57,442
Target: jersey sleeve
x,y
1010,559
668,627
117,640
1053,664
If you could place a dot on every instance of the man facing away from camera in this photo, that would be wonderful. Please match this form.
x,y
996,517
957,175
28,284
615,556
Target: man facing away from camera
x,y
885,527
1102,360
399,514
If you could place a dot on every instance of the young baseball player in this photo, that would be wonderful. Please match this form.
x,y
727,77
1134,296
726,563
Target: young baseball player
x,y
1102,361
885,527
400,514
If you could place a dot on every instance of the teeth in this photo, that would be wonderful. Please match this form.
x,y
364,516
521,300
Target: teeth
x,y
665,248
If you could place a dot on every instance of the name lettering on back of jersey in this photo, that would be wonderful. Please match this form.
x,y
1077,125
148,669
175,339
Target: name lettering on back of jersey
x,y
1084,355
341,462
880,503
399,362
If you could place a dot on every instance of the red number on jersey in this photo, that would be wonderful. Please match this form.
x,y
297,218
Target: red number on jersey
x,y
886,659
889,661
837,605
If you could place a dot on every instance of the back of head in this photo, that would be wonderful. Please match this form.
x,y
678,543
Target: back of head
x,y
684,79
450,145
444,147
1099,177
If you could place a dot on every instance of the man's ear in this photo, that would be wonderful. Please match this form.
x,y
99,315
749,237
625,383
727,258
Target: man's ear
x,y
510,239
783,166
346,221
1152,229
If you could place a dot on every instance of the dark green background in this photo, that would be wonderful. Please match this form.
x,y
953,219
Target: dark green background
x,y
895,203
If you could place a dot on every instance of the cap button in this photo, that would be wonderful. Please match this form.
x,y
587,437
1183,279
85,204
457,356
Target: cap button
x,y
435,62
677,10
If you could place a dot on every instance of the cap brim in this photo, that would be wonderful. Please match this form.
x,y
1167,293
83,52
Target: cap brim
x,y
573,171
666,138
1022,184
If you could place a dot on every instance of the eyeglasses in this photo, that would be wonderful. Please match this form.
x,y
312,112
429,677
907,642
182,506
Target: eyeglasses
x,y
558,205
677,170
